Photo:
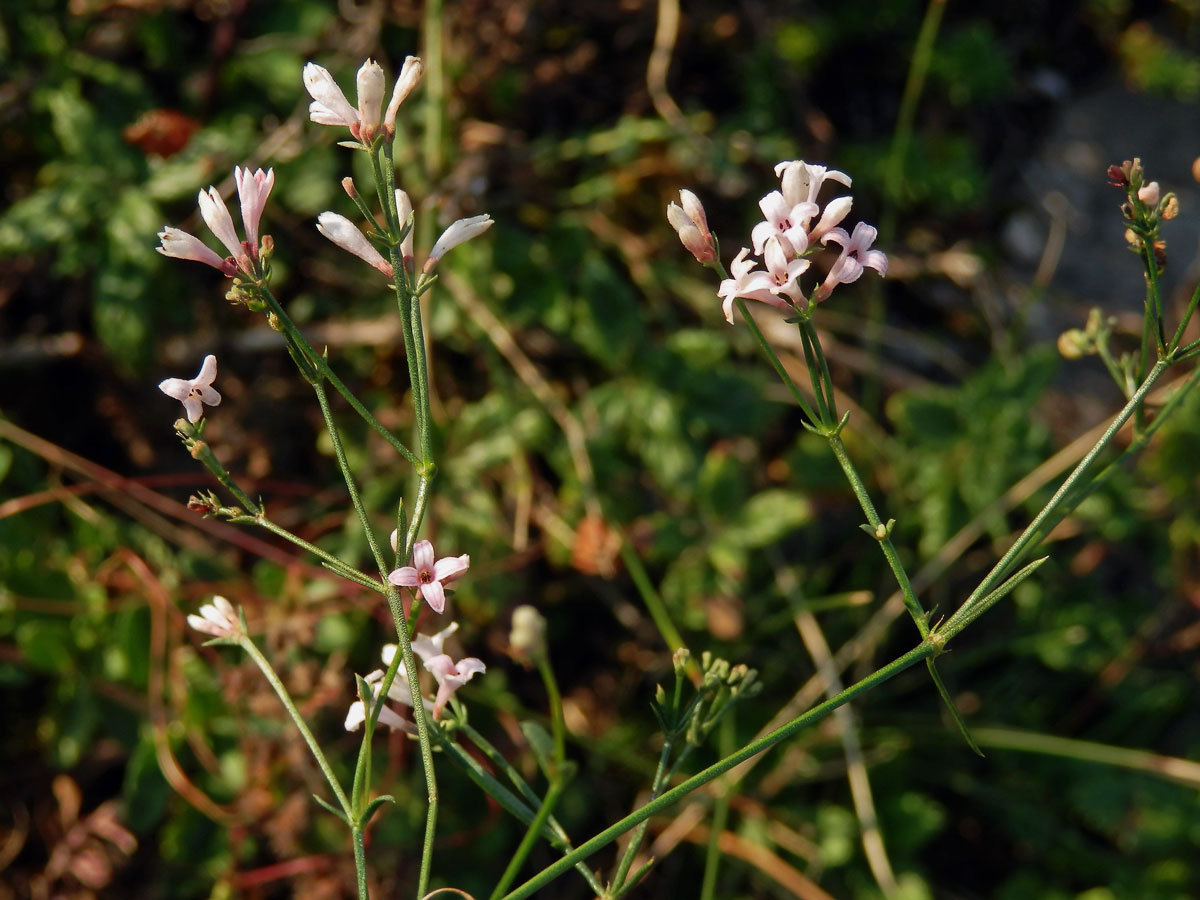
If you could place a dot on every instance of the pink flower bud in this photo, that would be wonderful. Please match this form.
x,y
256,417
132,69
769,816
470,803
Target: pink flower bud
x,y
370,99
459,232
691,225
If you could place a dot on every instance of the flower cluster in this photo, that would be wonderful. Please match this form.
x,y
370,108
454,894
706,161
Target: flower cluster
x,y
253,189
793,226
450,676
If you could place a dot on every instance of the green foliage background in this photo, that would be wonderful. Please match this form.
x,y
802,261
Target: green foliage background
x,y
698,459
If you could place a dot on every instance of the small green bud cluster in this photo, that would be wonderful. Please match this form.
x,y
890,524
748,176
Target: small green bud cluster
x,y
721,685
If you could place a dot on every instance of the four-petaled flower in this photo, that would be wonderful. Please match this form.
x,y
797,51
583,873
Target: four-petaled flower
x,y
218,618
856,254
191,392
749,283
429,576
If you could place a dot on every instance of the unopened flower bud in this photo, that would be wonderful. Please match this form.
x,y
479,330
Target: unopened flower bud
x,y
1117,176
1149,194
1073,344
459,232
528,635
370,99
410,75
691,224
267,247
1170,207
349,188
679,659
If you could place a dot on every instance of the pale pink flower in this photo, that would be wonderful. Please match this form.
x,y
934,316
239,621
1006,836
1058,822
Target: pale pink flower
x,y
460,231
178,244
218,618
784,270
856,254
191,392
451,676
749,284
216,217
429,576
329,106
1149,193
802,181
410,74
691,224
253,190
788,222
346,235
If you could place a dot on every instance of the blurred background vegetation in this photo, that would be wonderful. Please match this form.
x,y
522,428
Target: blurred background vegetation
x,y
587,387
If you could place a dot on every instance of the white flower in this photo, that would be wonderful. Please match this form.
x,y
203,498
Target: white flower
x,y
459,232
218,618
191,392
357,714
410,74
253,189
749,284
789,222
329,106
346,235
802,181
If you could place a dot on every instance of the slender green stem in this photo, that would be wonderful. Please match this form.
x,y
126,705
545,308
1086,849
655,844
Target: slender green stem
x,y
1187,317
322,365
799,397
639,834
712,853
360,863
828,416
1027,536
556,776
200,450
335,563
917,654
1154,295
911,603
653,601
824,381
273,679
348,476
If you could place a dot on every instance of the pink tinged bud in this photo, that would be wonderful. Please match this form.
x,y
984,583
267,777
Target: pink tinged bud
x,y
370,98
410,75
404,211
459,232
691,225
181,245
218,220
329,106
253,190
801,181
1149,194
191,392
219,618
835,210
346,235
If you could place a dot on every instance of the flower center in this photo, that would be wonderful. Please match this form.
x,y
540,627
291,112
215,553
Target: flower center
x,y
425,576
